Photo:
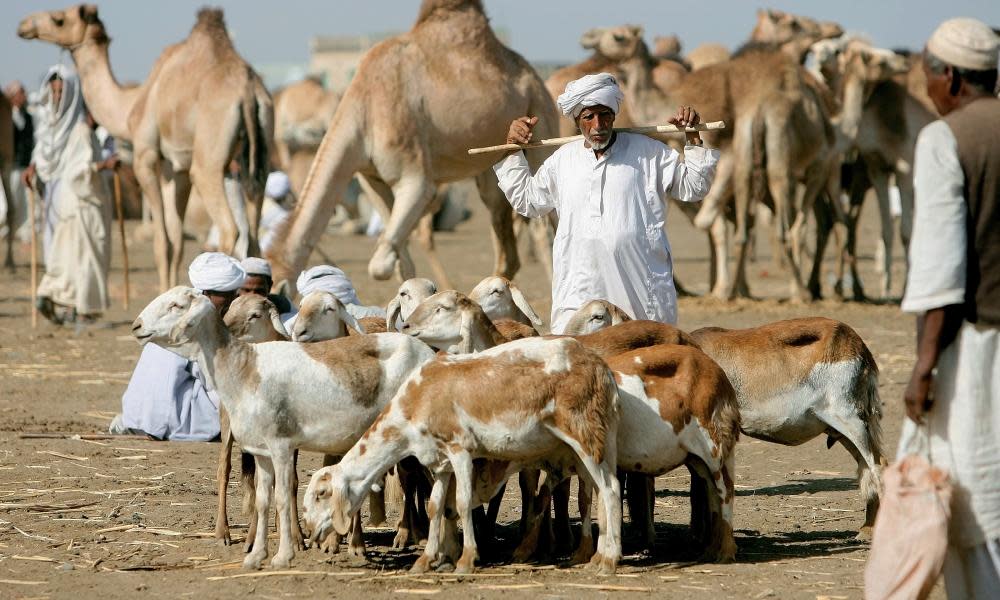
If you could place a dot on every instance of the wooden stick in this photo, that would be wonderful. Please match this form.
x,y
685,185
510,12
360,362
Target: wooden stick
x,y
34,258
653,129
121,230
81,436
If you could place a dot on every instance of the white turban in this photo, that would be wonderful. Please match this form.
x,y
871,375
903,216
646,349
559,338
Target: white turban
x,y
277,185
965,43
590,90
256,266
216,272
325,278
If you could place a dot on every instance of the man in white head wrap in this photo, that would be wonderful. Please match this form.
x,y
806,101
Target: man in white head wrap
x,y
67,159
610,192
954,288
260,282
278,200
326,278
168,397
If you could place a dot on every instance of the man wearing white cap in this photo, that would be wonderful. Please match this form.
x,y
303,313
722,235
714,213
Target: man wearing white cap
x,y
609,191
167,397
954,287
326,278
259,282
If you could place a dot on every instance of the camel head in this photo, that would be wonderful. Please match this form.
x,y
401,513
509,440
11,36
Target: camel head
x,y
615,43
872,64
666,46
779,27
67,28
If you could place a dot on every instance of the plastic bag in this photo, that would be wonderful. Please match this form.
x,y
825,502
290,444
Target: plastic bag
x,y
910,539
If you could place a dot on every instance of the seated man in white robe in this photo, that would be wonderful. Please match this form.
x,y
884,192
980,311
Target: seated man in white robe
x,y
168,397
609,191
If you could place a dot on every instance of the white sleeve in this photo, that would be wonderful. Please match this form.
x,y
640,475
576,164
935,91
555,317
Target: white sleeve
x,y
693,176
938,246
530,195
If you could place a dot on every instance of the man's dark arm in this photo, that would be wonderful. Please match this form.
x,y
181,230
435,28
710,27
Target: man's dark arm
x,y
936,329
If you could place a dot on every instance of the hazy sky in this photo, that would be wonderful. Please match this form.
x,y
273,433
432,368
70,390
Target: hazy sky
x,y
278,32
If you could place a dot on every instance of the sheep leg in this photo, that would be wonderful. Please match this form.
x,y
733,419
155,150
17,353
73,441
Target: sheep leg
x,y
332,542
248,475
639,497
356,547
529,542
700,516
854,435
376,508
462,465
297,536
284,473
265,482
562,531
222,480
435,510
585,550
602,475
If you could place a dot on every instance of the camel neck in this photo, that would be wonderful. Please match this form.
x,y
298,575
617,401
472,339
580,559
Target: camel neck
x,y
107,100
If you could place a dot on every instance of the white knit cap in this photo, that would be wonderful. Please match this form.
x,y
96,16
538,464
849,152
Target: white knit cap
x,y
256,266
965,43
277,185
216,272
591,90
325,278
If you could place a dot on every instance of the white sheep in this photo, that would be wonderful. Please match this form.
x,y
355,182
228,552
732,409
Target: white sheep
x,y
677,408
501,299
410,293
547,401
322,316
594,316
283,396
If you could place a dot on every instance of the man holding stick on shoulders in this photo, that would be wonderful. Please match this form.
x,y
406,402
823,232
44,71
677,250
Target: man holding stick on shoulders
x,y
609,191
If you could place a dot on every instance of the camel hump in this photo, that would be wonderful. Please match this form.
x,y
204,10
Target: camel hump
x,y
211,19
429,7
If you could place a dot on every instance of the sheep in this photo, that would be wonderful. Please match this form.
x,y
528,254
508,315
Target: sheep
x,y
671,378
410,293
501,299
252,319
283,396
799,378
593,316
549,401
322,316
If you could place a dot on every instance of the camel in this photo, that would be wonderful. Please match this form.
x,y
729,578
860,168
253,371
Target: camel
x,y
6,165
302,111
707,54
879,120
416,104
201,107
793,34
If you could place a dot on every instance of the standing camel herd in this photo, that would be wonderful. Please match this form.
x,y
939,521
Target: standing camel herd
x,y
803,104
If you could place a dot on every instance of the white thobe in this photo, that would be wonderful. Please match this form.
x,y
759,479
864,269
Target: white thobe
x,y
964,424
611,243
168,398
77,267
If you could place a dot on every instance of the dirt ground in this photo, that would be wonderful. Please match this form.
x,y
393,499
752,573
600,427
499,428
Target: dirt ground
x,y
127,518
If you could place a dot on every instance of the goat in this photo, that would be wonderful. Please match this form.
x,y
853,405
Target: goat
x,y
283,396
410,293
593,316
548,401
501,299
681,384
800,378
322,316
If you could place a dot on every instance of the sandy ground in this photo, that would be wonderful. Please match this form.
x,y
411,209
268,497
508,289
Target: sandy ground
x,y
126,518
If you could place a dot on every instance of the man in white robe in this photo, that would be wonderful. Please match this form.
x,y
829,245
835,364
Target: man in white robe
x,y
609,191
78,207
168,396
954,287
327,278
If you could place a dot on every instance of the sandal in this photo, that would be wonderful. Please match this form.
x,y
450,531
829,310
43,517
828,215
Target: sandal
x,y
47,308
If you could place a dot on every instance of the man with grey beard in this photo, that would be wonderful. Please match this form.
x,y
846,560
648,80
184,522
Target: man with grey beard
x,y
609,191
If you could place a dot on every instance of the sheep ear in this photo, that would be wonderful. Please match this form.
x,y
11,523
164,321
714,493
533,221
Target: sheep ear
x,y
283,288
392,313
465,346
340,512
592,37
522,303
619,316
276,322
349,320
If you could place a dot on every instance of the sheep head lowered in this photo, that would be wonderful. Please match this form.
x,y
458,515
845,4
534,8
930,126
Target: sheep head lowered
x,y
410,294
254,319
172,320
329,504
502,299
322,316
594,316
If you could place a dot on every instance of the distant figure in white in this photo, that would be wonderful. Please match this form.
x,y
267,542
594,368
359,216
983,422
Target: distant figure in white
x,y
168,397
609,191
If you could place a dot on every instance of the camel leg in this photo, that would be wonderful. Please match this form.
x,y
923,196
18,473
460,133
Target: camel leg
x,y
425,237
742,173
147,171
207,178
412,195
905,183
506,263
883,262
541,238
788,221
176,192
719,275
10,217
